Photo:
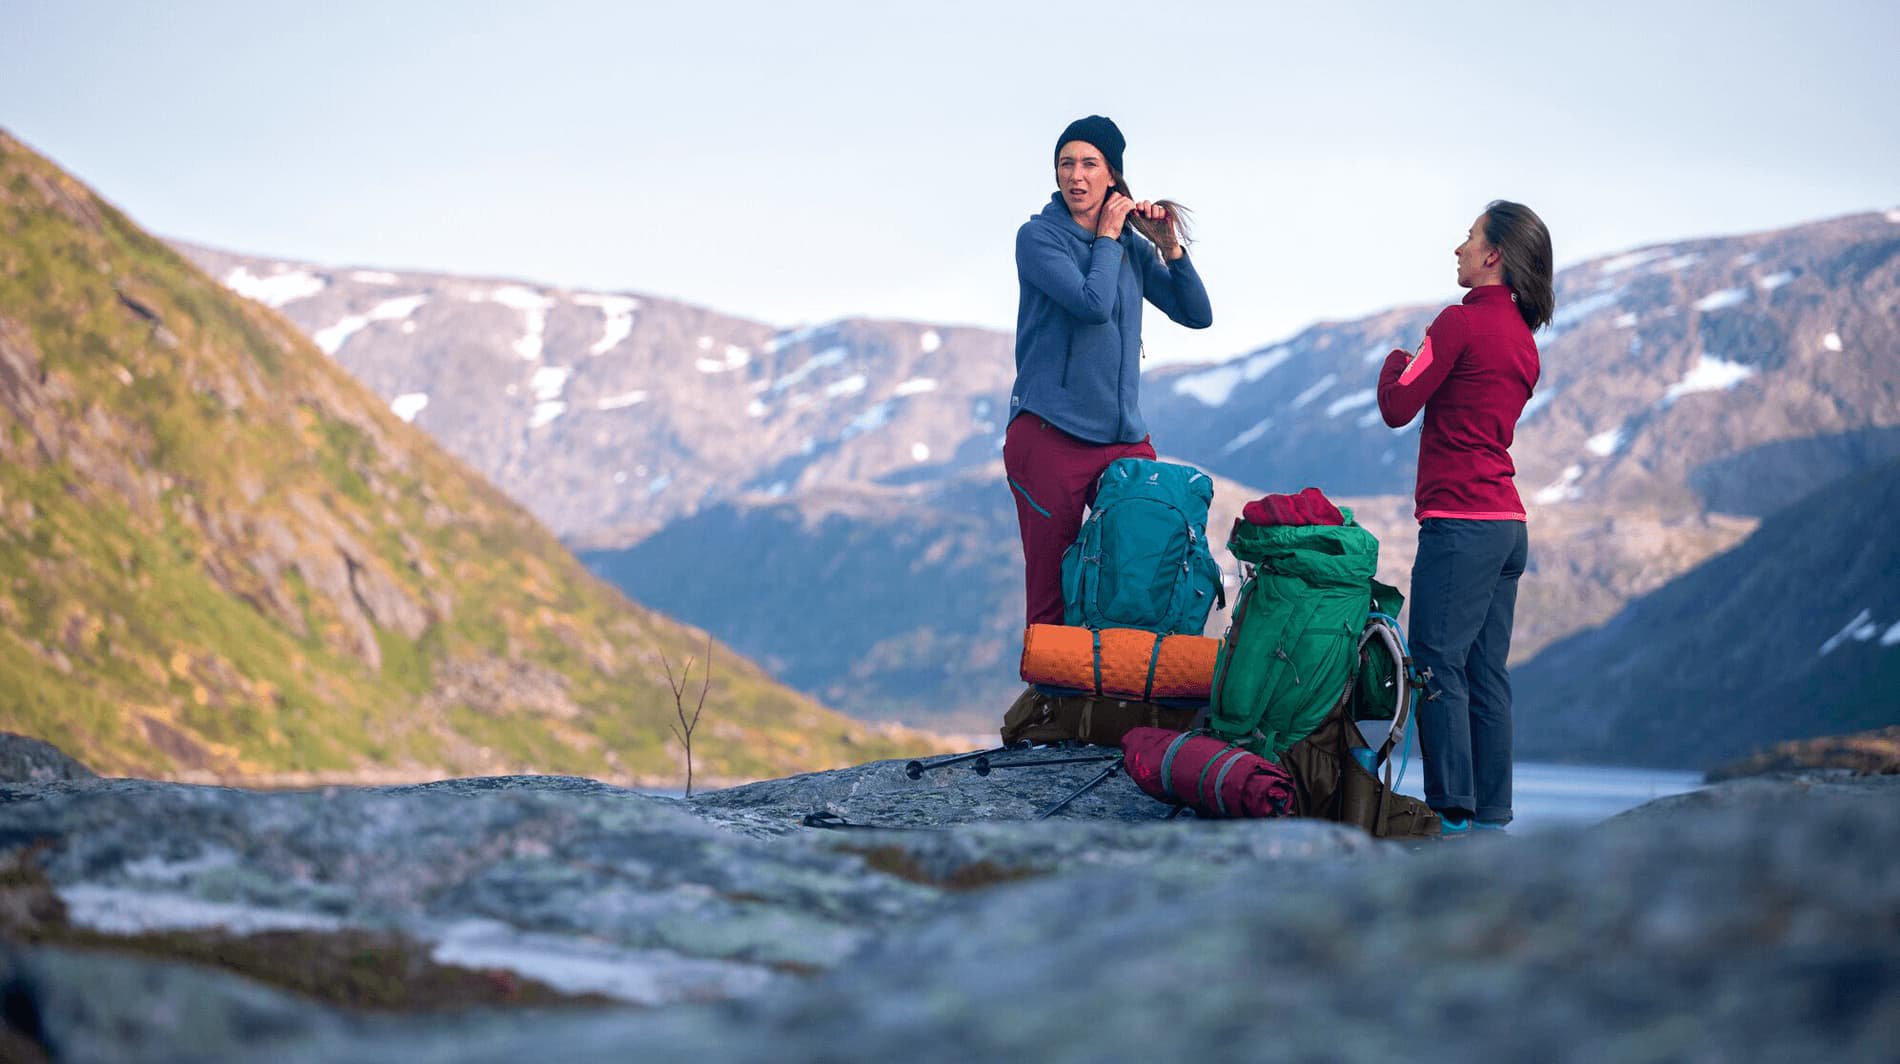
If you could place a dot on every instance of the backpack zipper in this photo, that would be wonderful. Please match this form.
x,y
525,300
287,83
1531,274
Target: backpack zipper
x,y
1280,652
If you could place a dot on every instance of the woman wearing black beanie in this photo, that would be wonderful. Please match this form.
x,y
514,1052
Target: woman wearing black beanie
x,y
1083,272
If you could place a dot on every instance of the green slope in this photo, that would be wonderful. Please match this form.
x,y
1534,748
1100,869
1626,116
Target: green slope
x,y
220,557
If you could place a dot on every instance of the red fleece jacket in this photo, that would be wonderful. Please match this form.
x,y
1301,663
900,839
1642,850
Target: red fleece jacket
x,y
1472,376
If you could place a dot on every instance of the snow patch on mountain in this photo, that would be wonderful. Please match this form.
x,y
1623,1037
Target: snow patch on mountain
x,y
920,452
736,357
786,339
408,405
617,315
533,306
1568,314
1722,300
851,385
1832,341
1563,489
1213,387
916,386
1608,442
1860,629
1774,280
1318,388
930,341
1625,320
875,418
397,309
1630,260
374,277
331,339
1709,374
549,381
284,286
1258,430
624,399
1352,402
828,357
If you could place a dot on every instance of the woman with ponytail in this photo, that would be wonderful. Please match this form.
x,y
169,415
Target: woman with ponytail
x,y
1083,272
1472,376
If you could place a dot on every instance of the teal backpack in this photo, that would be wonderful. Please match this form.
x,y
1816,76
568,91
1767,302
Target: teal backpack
x,y
1294,640
1141,560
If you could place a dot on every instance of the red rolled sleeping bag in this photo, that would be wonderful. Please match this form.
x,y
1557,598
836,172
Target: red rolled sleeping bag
x,y
1211,777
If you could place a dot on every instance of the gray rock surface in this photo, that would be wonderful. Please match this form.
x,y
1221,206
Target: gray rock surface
x,y
1756,920
27,760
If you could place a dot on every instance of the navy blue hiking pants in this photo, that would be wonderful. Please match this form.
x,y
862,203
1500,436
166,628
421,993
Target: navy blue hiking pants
x,y
1464,597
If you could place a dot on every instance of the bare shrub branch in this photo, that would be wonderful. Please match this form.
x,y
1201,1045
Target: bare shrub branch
x,y
683,731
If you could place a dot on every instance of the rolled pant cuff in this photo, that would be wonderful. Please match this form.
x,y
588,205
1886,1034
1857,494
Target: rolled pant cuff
x,y
1494,816
1441,804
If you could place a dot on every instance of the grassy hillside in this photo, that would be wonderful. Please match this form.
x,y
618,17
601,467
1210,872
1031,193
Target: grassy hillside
x,y
223,558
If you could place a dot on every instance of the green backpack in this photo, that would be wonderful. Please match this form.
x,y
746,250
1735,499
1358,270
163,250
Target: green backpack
x,y
1141,559
1292,650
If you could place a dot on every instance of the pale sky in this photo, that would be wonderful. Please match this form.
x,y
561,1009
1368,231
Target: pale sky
x,y
799,162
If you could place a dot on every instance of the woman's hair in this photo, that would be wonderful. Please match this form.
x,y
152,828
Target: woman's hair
x,y
1524,245
1157,233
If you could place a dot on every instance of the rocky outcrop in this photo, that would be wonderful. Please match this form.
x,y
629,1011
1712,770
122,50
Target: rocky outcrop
x,y
1869,753
1750,921
25,760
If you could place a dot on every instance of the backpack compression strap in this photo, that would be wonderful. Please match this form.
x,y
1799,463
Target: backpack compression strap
x,y
1167,765
1154,659
1200,785
1096,635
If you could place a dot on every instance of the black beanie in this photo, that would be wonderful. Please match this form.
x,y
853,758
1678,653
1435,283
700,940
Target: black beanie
x,y
1098,131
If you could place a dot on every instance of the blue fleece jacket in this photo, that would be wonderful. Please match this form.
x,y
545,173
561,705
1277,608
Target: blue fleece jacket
x,y
1078,323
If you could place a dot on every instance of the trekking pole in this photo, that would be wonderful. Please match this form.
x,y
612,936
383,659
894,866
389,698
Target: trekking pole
x,y
1112,768
916,769
984,766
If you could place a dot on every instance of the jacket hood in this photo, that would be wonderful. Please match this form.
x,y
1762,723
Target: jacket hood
x,y
1056,213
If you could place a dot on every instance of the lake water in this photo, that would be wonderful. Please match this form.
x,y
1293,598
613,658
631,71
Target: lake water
x,y
1547,796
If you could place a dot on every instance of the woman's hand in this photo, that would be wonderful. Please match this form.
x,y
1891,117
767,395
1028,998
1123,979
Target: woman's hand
x,y
1167,241
1114,212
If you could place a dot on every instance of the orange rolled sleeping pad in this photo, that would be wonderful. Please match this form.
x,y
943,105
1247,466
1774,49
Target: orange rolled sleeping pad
x,y
1129,664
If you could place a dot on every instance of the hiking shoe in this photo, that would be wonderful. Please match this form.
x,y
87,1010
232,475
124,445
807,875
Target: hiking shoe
x,y
1453,826
1489,825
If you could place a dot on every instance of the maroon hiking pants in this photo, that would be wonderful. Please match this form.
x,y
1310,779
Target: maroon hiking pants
x,y
1052,475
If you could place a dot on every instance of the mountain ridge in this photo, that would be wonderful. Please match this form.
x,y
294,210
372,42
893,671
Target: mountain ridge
x,y
1690,387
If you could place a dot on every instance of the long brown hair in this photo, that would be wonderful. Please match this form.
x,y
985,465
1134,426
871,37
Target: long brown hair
x,y
1162,235
1523,243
